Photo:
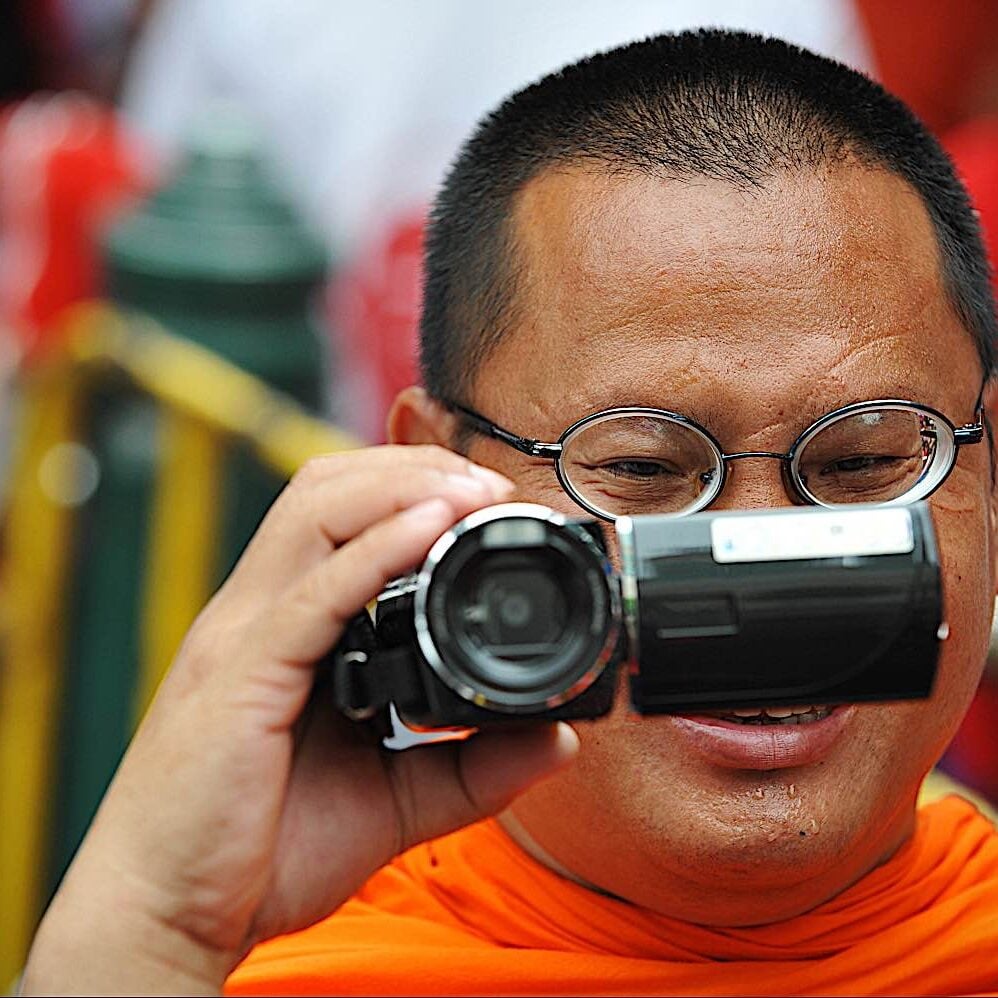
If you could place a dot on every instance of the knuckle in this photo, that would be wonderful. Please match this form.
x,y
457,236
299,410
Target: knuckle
x,y
367,563
334,591
204,648
315,592
315,470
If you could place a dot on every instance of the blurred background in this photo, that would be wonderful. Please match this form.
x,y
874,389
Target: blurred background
x,y
211,218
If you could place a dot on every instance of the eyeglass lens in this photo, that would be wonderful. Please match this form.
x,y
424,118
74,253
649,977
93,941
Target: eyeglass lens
x,y
630,464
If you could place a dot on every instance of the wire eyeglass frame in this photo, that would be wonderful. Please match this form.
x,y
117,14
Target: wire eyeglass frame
x,y
959,436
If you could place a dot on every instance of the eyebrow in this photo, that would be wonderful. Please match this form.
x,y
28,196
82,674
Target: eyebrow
x,y
923,394
710,413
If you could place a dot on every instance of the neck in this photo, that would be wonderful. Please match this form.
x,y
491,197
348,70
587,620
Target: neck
x,y
512,826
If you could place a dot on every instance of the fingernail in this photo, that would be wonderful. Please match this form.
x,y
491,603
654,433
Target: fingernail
x,y
468,484
499,485
566,746
430,509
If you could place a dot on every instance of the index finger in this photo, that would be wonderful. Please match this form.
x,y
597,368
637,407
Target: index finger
x,y
332,501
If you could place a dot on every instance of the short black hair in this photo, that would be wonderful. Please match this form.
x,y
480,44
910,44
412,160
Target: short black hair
x,y
708,103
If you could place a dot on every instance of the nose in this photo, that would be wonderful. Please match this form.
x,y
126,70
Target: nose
x,y
754,480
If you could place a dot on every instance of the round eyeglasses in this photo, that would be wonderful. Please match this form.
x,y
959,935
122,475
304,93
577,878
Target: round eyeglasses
x,y
634,460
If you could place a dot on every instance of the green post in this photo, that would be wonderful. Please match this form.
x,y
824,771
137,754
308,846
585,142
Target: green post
x,y
219,257
216,256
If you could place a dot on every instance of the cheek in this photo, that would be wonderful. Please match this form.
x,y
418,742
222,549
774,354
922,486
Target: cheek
x,y
541,485
536,481
965,554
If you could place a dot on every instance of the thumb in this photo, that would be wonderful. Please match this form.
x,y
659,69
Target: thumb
x,y
440,788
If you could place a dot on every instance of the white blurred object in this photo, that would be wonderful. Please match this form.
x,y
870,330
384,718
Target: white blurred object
x,y
363,105
366,103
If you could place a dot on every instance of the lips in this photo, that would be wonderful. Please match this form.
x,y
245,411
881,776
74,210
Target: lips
x,y
760,740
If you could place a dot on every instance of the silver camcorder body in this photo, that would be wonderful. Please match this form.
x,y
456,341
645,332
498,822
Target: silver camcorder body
x,y
518,614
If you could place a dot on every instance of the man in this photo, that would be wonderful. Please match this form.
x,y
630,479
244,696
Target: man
x,y
710,225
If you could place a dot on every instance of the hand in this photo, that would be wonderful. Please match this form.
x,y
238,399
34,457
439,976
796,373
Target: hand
x,y
233,817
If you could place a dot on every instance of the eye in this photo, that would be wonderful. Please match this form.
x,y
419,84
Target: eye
x,y
865,462
635,468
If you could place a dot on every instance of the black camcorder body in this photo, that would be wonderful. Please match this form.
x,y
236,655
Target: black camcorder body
x,y
518,614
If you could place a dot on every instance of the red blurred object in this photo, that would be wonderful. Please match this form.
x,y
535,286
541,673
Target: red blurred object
x,y
973,755
66,169
974,149
375,307
939,58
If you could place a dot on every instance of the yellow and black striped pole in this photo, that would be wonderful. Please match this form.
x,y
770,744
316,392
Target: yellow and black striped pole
x,y
37,538
205,406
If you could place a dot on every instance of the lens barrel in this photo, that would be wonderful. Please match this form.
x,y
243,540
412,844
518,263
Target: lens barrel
x,y
516,608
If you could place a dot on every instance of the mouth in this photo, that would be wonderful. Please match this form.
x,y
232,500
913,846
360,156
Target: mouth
x,y
764,738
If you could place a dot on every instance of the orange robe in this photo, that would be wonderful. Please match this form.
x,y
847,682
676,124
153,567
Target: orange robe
x,y
471,914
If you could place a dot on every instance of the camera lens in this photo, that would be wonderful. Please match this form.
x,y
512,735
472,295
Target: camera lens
x,y
515,603
519,613
515,608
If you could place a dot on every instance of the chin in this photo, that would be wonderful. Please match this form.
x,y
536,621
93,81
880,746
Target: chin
x,y
669,832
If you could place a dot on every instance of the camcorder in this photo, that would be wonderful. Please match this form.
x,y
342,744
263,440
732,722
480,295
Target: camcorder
x,y
517,614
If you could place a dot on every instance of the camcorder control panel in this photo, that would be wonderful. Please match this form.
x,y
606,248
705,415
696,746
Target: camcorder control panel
x,y
518,614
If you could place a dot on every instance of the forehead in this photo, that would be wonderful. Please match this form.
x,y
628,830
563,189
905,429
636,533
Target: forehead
x,y
814,289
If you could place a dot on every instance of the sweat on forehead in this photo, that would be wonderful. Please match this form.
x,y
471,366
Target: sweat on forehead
x,y
710,105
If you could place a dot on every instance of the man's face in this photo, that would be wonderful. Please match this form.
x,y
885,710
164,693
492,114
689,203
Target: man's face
x,y
754,313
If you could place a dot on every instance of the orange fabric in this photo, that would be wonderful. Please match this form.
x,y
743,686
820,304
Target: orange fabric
x,y
472,914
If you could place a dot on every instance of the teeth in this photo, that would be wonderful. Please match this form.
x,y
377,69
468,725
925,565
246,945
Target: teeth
x,y
775,711
777,715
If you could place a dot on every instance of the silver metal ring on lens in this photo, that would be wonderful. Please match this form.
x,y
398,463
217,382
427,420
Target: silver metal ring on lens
x,y
931,477
629,585
428,647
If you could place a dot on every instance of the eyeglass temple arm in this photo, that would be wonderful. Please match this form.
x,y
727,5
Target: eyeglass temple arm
x,y
525,445
973,433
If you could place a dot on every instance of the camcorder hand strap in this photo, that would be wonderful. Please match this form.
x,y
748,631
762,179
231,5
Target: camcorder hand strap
x,y
367,678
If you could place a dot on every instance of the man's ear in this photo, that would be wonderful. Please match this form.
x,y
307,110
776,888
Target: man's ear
x,y
416,418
